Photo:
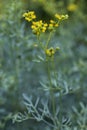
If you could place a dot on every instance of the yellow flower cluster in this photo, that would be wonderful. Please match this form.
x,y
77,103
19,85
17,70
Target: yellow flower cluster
x,y
72,7
61,17
38,27
29,16
51,51
52,24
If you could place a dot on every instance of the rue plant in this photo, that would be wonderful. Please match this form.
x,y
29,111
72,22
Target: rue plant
x,y
49,113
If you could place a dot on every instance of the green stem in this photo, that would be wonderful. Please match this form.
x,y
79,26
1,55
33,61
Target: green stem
x,y
54,68
60,114
60,97
40,43
51,88
48,40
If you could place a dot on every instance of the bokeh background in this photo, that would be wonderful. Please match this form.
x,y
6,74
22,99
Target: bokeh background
x,y
20,75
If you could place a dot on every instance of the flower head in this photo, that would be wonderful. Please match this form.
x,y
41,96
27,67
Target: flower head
x,y
50,52
29,16
61,17
38,27
52,24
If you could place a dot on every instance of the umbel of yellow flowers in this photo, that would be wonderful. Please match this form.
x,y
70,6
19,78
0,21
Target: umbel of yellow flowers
x,y
29,16
39,27
52,24
61,17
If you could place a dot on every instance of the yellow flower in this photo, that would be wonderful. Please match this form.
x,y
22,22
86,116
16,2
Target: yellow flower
x,y
38,27
29,16
50,51
52,24
72,7
61,17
